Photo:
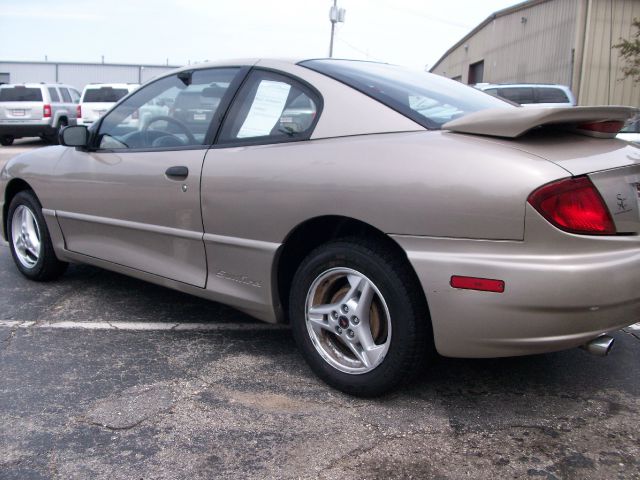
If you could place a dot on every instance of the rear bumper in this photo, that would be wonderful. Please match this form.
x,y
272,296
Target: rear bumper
x,y
561,290
18,130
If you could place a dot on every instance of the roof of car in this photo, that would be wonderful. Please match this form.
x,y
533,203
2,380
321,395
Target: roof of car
x,y
36,85
518,85
112,85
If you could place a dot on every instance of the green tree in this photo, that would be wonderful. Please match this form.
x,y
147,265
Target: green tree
x,y
630,51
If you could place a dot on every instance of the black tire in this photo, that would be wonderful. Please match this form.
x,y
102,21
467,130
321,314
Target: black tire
x,y
410,330
54,138
6,141
47,267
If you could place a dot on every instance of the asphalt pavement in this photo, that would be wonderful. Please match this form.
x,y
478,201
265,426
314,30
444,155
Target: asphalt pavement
x,y
107,377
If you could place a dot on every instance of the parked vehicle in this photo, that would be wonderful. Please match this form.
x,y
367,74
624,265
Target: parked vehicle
x,y
98,98
36,110
528,94
403,213
631,131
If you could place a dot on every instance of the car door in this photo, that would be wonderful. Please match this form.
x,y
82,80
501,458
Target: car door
x,y
256,151
134,197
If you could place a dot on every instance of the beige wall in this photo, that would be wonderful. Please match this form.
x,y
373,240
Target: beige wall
x,y
562,41
536,50
601,73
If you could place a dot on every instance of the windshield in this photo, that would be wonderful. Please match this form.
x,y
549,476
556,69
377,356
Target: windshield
x,y
20,94
427,99
104,95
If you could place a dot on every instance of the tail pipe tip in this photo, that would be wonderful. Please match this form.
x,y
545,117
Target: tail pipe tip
x,y
600,346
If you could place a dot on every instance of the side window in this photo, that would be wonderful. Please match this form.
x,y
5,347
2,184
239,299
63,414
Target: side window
x,y
65,95
271,108
551,95
75,95
53,93
518,94
175,111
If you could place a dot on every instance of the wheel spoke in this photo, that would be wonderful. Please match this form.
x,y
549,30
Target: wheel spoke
x,y
370,357
32,231
374,354
319,310
355,282
364,302
320,317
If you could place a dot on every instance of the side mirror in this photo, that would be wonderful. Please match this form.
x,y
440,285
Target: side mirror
x,y
74,136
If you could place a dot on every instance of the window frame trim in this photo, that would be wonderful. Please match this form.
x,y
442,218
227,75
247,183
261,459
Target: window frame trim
x,y
316,96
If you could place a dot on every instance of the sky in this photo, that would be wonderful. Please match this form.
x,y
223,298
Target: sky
x,y
414,33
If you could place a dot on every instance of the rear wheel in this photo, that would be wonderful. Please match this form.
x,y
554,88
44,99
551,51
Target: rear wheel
x,y
54,137
358,317
29,239
6,140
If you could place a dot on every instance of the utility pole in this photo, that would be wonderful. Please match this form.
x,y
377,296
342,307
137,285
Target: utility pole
x,y
336,15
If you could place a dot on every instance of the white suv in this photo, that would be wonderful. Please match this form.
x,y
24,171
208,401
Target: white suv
x,y
97,98
36,110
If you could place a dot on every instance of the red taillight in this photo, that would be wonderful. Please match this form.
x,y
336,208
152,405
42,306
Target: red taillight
x,y
46,111
475,283
79,111
573,205
610,126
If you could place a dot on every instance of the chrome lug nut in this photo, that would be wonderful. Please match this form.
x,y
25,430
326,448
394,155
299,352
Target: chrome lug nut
x,y
350,333
355,320
334,315
345,309
339,330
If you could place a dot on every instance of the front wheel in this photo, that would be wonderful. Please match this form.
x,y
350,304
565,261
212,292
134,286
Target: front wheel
x,y
29,239
359,317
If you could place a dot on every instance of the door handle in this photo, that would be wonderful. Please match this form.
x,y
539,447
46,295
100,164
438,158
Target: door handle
x,y
177,173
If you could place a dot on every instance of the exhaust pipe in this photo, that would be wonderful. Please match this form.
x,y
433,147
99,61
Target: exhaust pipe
x,y
599,346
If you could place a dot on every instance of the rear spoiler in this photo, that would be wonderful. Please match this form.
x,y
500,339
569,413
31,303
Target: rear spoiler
x,y
514,122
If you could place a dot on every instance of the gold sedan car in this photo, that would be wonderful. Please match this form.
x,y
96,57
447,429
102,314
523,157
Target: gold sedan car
x,y
384,213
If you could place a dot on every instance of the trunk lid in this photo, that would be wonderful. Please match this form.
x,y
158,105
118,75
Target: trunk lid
x,y
552,134
21,110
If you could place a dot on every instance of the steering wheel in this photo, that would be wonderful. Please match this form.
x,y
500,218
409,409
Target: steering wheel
x,y
165,118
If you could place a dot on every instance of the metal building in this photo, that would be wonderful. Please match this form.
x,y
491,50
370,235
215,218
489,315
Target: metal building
x,y
567,42
78,74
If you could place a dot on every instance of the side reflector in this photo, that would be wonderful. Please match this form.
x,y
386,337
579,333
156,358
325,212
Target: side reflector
x,y
475,283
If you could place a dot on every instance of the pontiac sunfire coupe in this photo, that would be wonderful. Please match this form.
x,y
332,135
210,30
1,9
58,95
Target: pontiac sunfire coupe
x,y
383,213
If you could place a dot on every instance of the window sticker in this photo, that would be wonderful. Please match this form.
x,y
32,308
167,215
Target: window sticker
x,y
266,109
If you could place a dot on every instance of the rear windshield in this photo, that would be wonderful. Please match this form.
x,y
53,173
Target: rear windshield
x,y
20,94
427,99
104,94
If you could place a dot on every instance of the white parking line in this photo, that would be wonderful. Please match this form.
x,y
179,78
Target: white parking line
x,y
140,326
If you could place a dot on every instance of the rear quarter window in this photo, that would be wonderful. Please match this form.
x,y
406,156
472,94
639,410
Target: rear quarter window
x,y
20,94
65,95
551,95
53,93
518,94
